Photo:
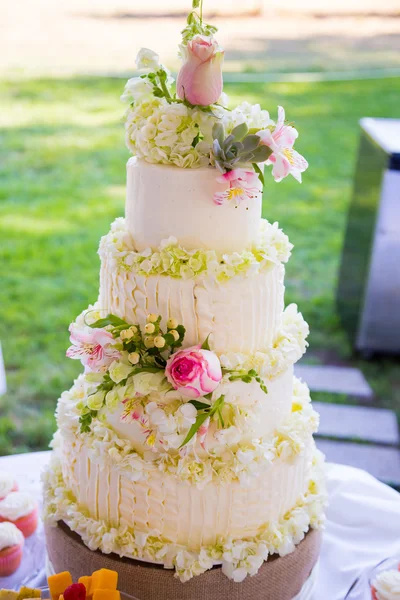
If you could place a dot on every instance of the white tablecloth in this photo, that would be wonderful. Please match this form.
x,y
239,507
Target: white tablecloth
x,y
363,521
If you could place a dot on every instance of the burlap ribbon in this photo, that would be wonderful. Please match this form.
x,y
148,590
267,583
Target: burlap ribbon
x,y
278,579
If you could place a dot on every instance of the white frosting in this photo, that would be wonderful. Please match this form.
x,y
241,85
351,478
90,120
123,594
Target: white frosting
x,y
10,535
387,585
182,513
165,201
6,483
270,410
242,314
17,505
239,557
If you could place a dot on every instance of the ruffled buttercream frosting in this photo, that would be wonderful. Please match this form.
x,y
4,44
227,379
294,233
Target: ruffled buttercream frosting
x,y
10,535
17,505
6,483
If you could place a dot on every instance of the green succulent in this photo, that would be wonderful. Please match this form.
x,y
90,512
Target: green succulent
x,y
239,149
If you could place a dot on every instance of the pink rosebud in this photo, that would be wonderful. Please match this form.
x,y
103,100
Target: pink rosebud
x,y
194,372
200,78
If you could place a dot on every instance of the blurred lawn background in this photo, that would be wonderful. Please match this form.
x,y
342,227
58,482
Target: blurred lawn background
x,y
62,181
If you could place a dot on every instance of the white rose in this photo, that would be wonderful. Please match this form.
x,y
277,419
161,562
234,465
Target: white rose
x,y
147,60
138,90
95,401
119,371
112,399
145,383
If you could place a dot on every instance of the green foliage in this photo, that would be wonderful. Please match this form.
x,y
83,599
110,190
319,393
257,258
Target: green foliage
x,y
238,149
202,416
62,181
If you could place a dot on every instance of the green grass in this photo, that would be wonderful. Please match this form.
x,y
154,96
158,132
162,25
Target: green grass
x,y
62,180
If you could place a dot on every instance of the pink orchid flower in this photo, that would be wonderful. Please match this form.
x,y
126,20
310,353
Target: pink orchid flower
x,y
93,347
200,78
243,186
284,159
194,372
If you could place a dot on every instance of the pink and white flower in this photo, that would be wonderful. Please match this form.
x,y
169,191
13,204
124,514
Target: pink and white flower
x,y
202,433
243,186
284,159
194,372
93,347
200,78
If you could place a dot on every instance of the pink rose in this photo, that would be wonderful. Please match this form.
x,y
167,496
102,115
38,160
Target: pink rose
x,y
200,78
93,347
194,372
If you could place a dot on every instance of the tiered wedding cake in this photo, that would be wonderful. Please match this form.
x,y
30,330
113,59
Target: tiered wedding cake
x,y
187,441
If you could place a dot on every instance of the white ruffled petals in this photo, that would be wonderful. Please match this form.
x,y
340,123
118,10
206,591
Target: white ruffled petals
x,y
171,259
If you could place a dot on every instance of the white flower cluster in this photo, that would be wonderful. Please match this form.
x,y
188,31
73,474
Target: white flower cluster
x,y
289,345
174,261
235,457
163,132
251,114
239,557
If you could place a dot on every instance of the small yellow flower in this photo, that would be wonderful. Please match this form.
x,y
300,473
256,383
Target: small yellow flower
x,y
174,334
159,342
150,328
134,358
149,342
152,318
172,323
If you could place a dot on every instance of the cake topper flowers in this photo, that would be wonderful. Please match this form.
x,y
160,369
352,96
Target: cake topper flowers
x,y
192,126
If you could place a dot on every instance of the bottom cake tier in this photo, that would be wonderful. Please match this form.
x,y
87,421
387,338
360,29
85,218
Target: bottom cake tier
x,y
240,554
284,578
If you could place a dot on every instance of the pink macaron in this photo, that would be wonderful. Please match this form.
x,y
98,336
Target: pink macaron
x,y
20,508
7,484
11,546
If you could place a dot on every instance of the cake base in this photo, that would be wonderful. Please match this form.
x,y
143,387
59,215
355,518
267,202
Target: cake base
x,y
279,577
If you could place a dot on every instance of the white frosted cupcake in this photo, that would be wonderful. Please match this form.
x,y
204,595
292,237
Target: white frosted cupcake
x,y
21,509
11,545
386,586
7,484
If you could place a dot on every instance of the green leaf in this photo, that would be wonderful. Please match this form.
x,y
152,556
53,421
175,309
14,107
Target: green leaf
x,y
109,320
262,385
199,405
250,143
240,131
259,173
218,132
218,404
221,419
205,345
169,339
146,369
195,3
261,154
201,418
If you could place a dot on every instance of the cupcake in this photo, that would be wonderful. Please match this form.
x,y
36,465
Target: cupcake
x,y
11,544
21,509
7,484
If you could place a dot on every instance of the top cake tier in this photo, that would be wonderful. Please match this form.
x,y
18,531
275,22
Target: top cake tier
x,y
164,201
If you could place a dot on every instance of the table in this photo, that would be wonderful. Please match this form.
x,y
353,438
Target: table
x,y
363,521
